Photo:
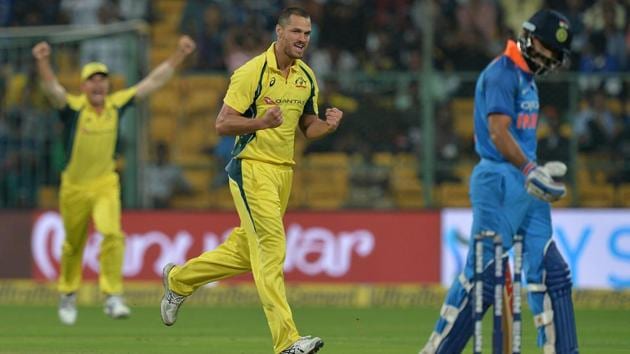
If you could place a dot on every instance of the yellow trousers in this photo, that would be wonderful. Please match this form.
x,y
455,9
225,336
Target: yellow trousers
x,y
100,201
261,193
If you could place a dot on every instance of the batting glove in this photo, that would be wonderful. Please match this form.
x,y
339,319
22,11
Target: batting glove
x,y
539,180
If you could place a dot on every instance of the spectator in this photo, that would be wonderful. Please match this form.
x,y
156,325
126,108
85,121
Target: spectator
x,y
137,10
28,12
381,52
595,16
240,46
447,144
369,182
622,148
614,37
343,25
554,146
595,125
463,44
6,13
110,50
191,22
481,18
515,13
329,60
164,179
222,154
595,61
82,12
211,37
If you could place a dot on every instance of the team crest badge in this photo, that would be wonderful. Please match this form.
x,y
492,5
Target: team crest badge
x,y
300,82
561,33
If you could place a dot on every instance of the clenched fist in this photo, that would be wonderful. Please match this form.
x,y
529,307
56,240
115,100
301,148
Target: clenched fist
x,y
333,118
272,118
186,45
41,50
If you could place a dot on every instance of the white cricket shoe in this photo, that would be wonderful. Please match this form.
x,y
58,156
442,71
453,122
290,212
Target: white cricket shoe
x,y
305,345
171,301
115,307
68,309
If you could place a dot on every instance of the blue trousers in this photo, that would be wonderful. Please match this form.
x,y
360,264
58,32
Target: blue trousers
x,y
501,204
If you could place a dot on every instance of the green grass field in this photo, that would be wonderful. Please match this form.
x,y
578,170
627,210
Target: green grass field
x,y
34,329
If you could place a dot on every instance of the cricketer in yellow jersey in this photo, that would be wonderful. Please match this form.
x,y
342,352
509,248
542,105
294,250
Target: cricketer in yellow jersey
x,y
90,187
267,99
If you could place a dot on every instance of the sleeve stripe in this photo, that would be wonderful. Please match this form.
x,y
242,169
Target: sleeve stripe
x,y
251,111
312,96
243,140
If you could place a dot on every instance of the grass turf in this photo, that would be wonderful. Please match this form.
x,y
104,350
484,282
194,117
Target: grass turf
x,y
35,329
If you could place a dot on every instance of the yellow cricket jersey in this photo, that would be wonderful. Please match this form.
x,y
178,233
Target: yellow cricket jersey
x,y
90,137
259,85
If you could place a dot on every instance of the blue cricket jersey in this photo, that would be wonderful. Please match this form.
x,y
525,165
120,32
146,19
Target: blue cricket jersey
x,y
506,86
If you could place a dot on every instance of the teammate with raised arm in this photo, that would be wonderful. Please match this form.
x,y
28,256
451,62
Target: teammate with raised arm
x,y
90,187
511,194
267,99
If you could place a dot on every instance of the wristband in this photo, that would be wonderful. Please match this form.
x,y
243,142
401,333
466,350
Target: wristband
x,y
528,167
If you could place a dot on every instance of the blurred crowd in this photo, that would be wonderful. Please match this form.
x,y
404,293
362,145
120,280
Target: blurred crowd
x,y
354,39
374,36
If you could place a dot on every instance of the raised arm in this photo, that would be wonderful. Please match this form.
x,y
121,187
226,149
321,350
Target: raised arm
x,y
53,90
163,72
315,128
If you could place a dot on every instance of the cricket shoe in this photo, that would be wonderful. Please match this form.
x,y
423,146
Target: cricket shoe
x,y
171,301
115,307
305,345
68,309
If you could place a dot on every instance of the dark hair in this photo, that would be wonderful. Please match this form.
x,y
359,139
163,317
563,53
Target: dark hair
x,y
283,19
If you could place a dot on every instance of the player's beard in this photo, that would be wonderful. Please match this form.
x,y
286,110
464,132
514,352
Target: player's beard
x,y
294,53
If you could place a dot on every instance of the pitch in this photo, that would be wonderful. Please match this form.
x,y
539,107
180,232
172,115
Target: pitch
x,y
236,330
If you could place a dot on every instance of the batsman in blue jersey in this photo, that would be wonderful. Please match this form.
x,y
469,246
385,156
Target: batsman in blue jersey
x,y
511,193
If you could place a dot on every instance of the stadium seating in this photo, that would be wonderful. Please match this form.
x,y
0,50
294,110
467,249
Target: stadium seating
x,y
453,195
48,197
182,113
565,202
623,195
463,115
406,188
298,189
597,196
384,159
325,180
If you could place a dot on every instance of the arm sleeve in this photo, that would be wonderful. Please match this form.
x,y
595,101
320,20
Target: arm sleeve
x,y
123,99
240,93
501,86
73,105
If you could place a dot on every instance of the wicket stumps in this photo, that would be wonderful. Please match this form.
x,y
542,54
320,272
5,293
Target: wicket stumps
x,y
517,246
499,279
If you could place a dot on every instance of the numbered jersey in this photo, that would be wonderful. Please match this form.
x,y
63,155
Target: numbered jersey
x,y
506,86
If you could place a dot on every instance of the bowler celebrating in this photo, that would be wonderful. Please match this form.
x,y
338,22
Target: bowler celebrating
x,y
267,99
